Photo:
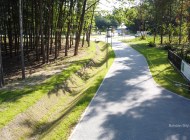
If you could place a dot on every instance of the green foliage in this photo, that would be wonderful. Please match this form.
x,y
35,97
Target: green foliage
x,y
168,47
67,123
103,22
13,102
65,113
151,44
119,15
160,17
131,15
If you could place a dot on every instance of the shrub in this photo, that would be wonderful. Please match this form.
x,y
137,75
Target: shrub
x,y
151,44
168,47
143,37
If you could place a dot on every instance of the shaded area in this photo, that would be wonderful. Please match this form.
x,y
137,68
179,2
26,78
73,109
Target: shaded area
x,y
81,100
46,115
130,105
17,100
162,71
149,120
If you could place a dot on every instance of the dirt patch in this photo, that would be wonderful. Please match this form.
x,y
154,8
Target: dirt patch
x,y
40,73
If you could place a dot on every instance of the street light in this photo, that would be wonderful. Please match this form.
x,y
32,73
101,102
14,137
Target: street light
x,y
111,35
107,35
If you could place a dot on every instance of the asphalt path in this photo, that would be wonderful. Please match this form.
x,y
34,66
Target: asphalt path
x,y
129,105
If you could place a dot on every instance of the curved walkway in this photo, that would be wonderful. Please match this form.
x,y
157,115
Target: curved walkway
x,y
129,105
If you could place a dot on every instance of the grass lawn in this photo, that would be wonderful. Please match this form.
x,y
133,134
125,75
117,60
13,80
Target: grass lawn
x,y
13,102
62,129
82,82
163,72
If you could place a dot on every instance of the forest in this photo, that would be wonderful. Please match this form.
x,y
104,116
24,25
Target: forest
x,y
50,28
171,17
53,27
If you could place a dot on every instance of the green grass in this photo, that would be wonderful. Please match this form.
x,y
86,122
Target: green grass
x,y
13,102
17,101
163,72
63,114
62,128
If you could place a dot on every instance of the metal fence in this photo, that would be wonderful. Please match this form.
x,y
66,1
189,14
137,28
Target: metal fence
x,y
175,59
182,66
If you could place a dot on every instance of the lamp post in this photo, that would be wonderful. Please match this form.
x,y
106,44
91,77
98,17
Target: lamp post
x,y
111,35
107,48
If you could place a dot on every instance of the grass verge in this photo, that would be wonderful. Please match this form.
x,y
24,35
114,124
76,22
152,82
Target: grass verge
x,y
162,71
62,128
47,107
13,102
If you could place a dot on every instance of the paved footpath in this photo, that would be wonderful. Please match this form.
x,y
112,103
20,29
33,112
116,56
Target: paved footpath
x,y
129,105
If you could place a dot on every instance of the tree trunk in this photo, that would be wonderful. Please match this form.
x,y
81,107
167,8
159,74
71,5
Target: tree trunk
x,y
50,3
180,24
1,69
189,27
90,30
41,33
161,36
68,28
155,34
37,30
21,39
78,34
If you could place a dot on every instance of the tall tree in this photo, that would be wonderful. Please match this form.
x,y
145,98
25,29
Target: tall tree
x,y
1,68
21,38
43,25
80,27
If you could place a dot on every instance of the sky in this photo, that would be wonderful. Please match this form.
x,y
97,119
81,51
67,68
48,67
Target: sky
x,y
108,5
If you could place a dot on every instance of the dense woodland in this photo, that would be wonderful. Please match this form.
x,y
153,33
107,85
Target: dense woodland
x,y
49,28
171,17
53,27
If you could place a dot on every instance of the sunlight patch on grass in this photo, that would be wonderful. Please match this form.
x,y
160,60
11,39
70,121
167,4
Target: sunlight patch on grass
x,y
163,73
48,106
62,129
13,102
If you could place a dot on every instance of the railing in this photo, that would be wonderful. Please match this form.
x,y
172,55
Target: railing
x,y
175,59
182,66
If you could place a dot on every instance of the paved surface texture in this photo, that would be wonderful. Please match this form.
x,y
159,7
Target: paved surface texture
x,y
129,105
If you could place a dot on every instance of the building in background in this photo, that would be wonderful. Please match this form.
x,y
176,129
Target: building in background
x,y
122,30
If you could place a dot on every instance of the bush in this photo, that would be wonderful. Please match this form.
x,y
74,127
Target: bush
x,y
151,44
168,47
143,37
